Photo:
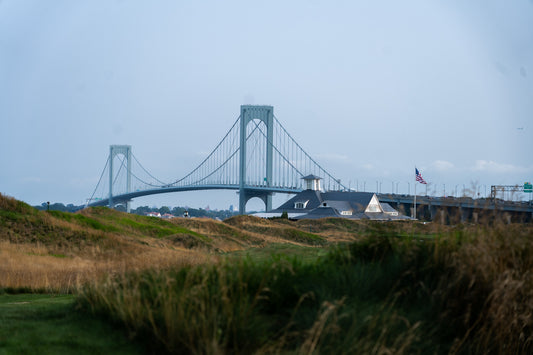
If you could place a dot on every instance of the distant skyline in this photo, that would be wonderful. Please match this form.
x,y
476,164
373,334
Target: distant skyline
x,y
369,89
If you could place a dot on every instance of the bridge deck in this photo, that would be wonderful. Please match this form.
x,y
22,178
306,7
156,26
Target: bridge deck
x,y
132,195
461,202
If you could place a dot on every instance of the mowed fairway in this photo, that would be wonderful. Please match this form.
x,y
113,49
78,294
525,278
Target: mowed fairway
x,y
49,324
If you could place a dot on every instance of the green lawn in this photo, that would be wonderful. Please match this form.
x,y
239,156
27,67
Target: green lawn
x,y
49,324
276,250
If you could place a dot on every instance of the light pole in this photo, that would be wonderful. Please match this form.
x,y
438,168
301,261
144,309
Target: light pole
x,y
408,188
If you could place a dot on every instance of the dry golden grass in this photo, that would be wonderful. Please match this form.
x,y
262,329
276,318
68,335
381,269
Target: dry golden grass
x,y
41,251
242,232
282,230
54,252
57,252
36,267
31,267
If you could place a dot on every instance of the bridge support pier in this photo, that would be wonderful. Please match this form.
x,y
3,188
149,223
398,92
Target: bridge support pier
x,y
246,194
114,150
266,115
432,212
466,214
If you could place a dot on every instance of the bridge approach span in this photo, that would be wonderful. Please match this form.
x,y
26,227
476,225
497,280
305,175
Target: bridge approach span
x,y
460,208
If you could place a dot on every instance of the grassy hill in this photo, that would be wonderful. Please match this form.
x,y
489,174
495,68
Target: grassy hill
x,y
58,251
249,285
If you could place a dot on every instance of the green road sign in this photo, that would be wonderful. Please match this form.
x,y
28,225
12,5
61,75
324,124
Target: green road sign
x,y
528,187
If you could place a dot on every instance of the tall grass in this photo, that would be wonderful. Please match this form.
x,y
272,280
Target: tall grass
x,y
40,268
34,269
467,290
58,251
246,307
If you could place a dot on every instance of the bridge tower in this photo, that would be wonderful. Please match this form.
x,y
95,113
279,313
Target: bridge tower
x,y
115,150
266,115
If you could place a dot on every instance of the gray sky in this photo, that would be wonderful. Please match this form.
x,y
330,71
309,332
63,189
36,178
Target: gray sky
x,y
369,88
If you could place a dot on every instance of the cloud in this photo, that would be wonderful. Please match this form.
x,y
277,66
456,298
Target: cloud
x,y
494,167
501,68
442,165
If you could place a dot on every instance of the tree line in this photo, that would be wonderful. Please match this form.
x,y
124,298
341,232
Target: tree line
x,y
143,210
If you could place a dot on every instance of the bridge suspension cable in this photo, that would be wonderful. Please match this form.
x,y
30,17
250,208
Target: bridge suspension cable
x,y
221,167
99,181
327,176
206,160
146,171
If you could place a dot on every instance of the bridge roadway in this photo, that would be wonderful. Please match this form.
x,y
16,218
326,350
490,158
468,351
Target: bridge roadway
x,y
465,207
402,202
464,202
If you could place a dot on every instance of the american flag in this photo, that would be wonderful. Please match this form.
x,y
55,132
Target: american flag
x,y
419,177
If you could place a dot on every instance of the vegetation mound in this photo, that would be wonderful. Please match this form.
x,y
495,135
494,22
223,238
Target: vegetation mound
x,y
277,230
55,250
58,251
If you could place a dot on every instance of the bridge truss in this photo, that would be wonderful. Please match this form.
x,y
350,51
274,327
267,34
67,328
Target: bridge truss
x,y
257,156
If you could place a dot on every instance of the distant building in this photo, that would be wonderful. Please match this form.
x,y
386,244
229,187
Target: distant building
x,y
153,214
313,204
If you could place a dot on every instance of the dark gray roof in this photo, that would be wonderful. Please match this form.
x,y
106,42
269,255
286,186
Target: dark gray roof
x,y
338,205
362,198
321,212
311,177
307,195
387,208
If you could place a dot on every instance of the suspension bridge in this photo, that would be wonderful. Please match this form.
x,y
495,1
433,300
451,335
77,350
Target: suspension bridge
x,y
257,157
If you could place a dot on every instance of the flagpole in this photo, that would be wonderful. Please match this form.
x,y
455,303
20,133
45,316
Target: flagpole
x,y
420,179
414,209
